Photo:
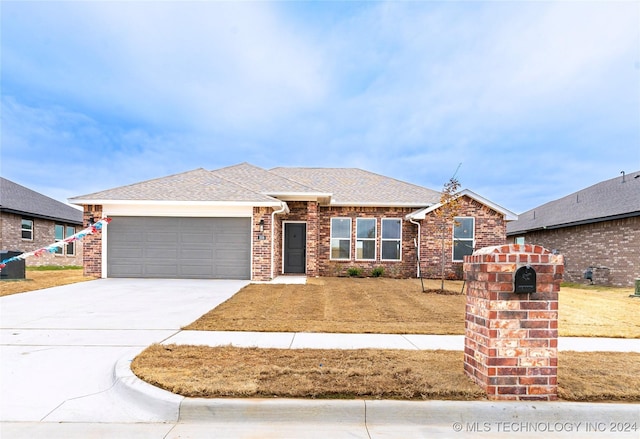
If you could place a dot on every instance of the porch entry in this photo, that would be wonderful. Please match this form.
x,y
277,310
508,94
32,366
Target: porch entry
x,y
295,248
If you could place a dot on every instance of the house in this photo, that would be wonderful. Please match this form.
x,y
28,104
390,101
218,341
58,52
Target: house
x,y
246,222
30,220
597,229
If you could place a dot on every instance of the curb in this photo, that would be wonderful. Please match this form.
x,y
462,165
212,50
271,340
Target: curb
x,y
145,402
152,404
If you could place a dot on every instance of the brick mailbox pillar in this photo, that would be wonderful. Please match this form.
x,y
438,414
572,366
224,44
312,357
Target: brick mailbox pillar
x,y
511,324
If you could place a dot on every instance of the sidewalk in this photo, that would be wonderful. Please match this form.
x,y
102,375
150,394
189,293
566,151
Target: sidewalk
x,y
314,340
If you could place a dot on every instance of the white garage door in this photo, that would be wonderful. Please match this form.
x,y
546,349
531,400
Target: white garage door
x,y
196,248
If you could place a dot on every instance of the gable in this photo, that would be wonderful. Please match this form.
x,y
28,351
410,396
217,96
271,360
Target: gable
x,y
508,215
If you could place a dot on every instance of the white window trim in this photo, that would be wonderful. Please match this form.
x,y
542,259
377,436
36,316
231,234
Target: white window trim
x,y
331,238
390,239
374,239
453,237
32,231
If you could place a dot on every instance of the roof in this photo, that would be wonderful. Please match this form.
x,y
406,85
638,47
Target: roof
x,y
604,201
20,200
266,182
356,187
508,215
198,185
249,184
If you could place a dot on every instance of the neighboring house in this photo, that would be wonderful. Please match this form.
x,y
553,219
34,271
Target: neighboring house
x,y
246,222
30,221
597,229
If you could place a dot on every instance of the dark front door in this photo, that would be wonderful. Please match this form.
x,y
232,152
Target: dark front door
x,y
295,247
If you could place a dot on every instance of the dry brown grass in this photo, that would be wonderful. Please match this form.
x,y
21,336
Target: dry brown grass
x,y
211,372
599,376
395,306
596,311
198,371
352,305
37,280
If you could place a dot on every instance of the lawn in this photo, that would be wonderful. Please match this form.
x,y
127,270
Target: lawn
x,y
211,372
38,278
395,306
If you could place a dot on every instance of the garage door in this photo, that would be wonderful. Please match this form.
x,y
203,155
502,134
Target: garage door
x,y
197,248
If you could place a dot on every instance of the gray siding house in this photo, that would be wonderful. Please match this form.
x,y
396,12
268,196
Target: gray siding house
x,y
597,229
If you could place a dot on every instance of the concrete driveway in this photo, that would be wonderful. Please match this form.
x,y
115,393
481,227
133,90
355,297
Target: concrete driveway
x,y
58,346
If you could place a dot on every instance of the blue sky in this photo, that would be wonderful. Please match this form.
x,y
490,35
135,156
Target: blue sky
x,y
535,99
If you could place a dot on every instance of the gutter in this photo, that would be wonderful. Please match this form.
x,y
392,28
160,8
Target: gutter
x,y
417,245
575,223
283,209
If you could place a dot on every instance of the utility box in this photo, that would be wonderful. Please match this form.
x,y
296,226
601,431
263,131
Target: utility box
x,y
14,270
637,293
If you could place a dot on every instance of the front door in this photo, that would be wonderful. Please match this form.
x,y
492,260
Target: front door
x,y
295,247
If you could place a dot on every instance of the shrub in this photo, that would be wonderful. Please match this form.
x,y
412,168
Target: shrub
x,y
377,272
354,271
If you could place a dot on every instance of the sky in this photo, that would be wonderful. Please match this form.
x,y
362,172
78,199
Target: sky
x,y
523,101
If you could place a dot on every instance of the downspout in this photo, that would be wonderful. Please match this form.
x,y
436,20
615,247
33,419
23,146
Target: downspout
x,y
418,245
283,209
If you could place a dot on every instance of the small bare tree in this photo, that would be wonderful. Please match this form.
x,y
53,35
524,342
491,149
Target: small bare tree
x,y
445,219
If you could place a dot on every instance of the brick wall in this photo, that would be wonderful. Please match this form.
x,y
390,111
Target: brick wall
x,y
43,235
92,243
511,340
404,268
261,247
613,247
490,230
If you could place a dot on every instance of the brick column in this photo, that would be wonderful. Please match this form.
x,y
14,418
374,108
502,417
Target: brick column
x,y
511,339
312,239
92,244
261,248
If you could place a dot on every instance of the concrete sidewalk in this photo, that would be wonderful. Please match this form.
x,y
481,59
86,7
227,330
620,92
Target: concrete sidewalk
x,y
315,340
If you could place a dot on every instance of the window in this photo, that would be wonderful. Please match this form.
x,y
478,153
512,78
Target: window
x,y
520,240
366,238
27,229
391,238
463,235
340,238
61,232
71,247
59,236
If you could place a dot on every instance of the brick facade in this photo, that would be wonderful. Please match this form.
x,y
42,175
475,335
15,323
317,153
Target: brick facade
x,y
43,235
489,230
511,340
612,247
261,266
92,243
405,267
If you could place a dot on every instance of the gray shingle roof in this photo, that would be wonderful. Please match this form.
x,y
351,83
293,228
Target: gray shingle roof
x,y
21,200
605,200
196,185
358,187
251,184
261,180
